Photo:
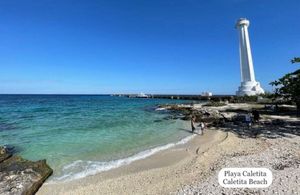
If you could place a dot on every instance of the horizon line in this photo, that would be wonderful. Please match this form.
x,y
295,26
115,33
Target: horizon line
x,y
107,94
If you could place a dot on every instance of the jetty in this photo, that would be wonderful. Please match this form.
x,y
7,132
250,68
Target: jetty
x,y
180,97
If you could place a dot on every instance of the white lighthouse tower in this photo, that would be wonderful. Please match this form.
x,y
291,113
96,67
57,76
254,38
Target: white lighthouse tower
x,y
249,86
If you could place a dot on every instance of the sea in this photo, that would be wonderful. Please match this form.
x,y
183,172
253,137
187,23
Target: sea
x,y
81,135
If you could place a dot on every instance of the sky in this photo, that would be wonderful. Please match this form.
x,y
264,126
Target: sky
x,y
150,46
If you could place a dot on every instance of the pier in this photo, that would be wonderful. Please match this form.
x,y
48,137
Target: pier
x,y
180,97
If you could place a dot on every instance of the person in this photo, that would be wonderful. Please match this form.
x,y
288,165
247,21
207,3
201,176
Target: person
x,y
248,120
255,115
202,126
193,124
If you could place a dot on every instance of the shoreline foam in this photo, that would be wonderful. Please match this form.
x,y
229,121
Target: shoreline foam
x,y
95,167
157,169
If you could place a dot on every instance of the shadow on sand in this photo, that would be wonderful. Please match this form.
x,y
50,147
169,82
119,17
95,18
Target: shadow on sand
x,y
267,129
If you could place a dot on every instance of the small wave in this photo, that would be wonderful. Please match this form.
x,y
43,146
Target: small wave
x,y
79,169
159,109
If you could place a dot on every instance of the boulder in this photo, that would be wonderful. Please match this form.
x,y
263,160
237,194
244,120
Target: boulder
x,y
4,153
20,176
206,115
177,111
177,108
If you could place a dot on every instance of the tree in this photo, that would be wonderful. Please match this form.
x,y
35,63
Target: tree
x,y
288,86
295,60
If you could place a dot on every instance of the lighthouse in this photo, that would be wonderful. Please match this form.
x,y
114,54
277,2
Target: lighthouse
x,y
249,86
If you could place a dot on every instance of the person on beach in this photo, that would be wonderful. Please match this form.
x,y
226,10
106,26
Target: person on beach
x,y
248,120
255,115
202,126
193,123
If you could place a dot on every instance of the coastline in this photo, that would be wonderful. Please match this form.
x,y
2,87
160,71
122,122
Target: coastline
x,y
159,165
193,167
96,167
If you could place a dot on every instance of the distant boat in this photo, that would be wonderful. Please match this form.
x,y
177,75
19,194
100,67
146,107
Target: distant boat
x,y
206,94
142,95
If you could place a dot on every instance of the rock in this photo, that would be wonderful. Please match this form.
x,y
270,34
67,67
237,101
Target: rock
x,y
177,108
20,176
13,149
209,116
185,112
177,111
4,153
186,118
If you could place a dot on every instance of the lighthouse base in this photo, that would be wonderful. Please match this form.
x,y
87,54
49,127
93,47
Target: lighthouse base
x,y
250,88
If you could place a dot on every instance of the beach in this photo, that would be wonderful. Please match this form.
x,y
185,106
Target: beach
x,y
193,167
157,174
149,97
165,157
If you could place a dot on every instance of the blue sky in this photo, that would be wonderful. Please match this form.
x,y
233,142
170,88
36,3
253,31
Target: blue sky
x,y
157,46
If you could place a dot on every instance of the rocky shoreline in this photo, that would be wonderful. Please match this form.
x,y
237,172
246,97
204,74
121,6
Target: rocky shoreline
x,y
273,143
21,176
212,116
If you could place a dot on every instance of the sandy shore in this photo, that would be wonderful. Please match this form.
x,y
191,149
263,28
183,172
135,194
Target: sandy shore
x,y
192,168
160,173
281,156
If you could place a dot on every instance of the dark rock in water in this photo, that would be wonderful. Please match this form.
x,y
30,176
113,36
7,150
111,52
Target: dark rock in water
x,y
20,176
177,111
171,117
177,108
4,153
12,149
186,118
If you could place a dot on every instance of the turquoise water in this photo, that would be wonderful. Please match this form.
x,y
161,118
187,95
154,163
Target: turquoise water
x,y
82,135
